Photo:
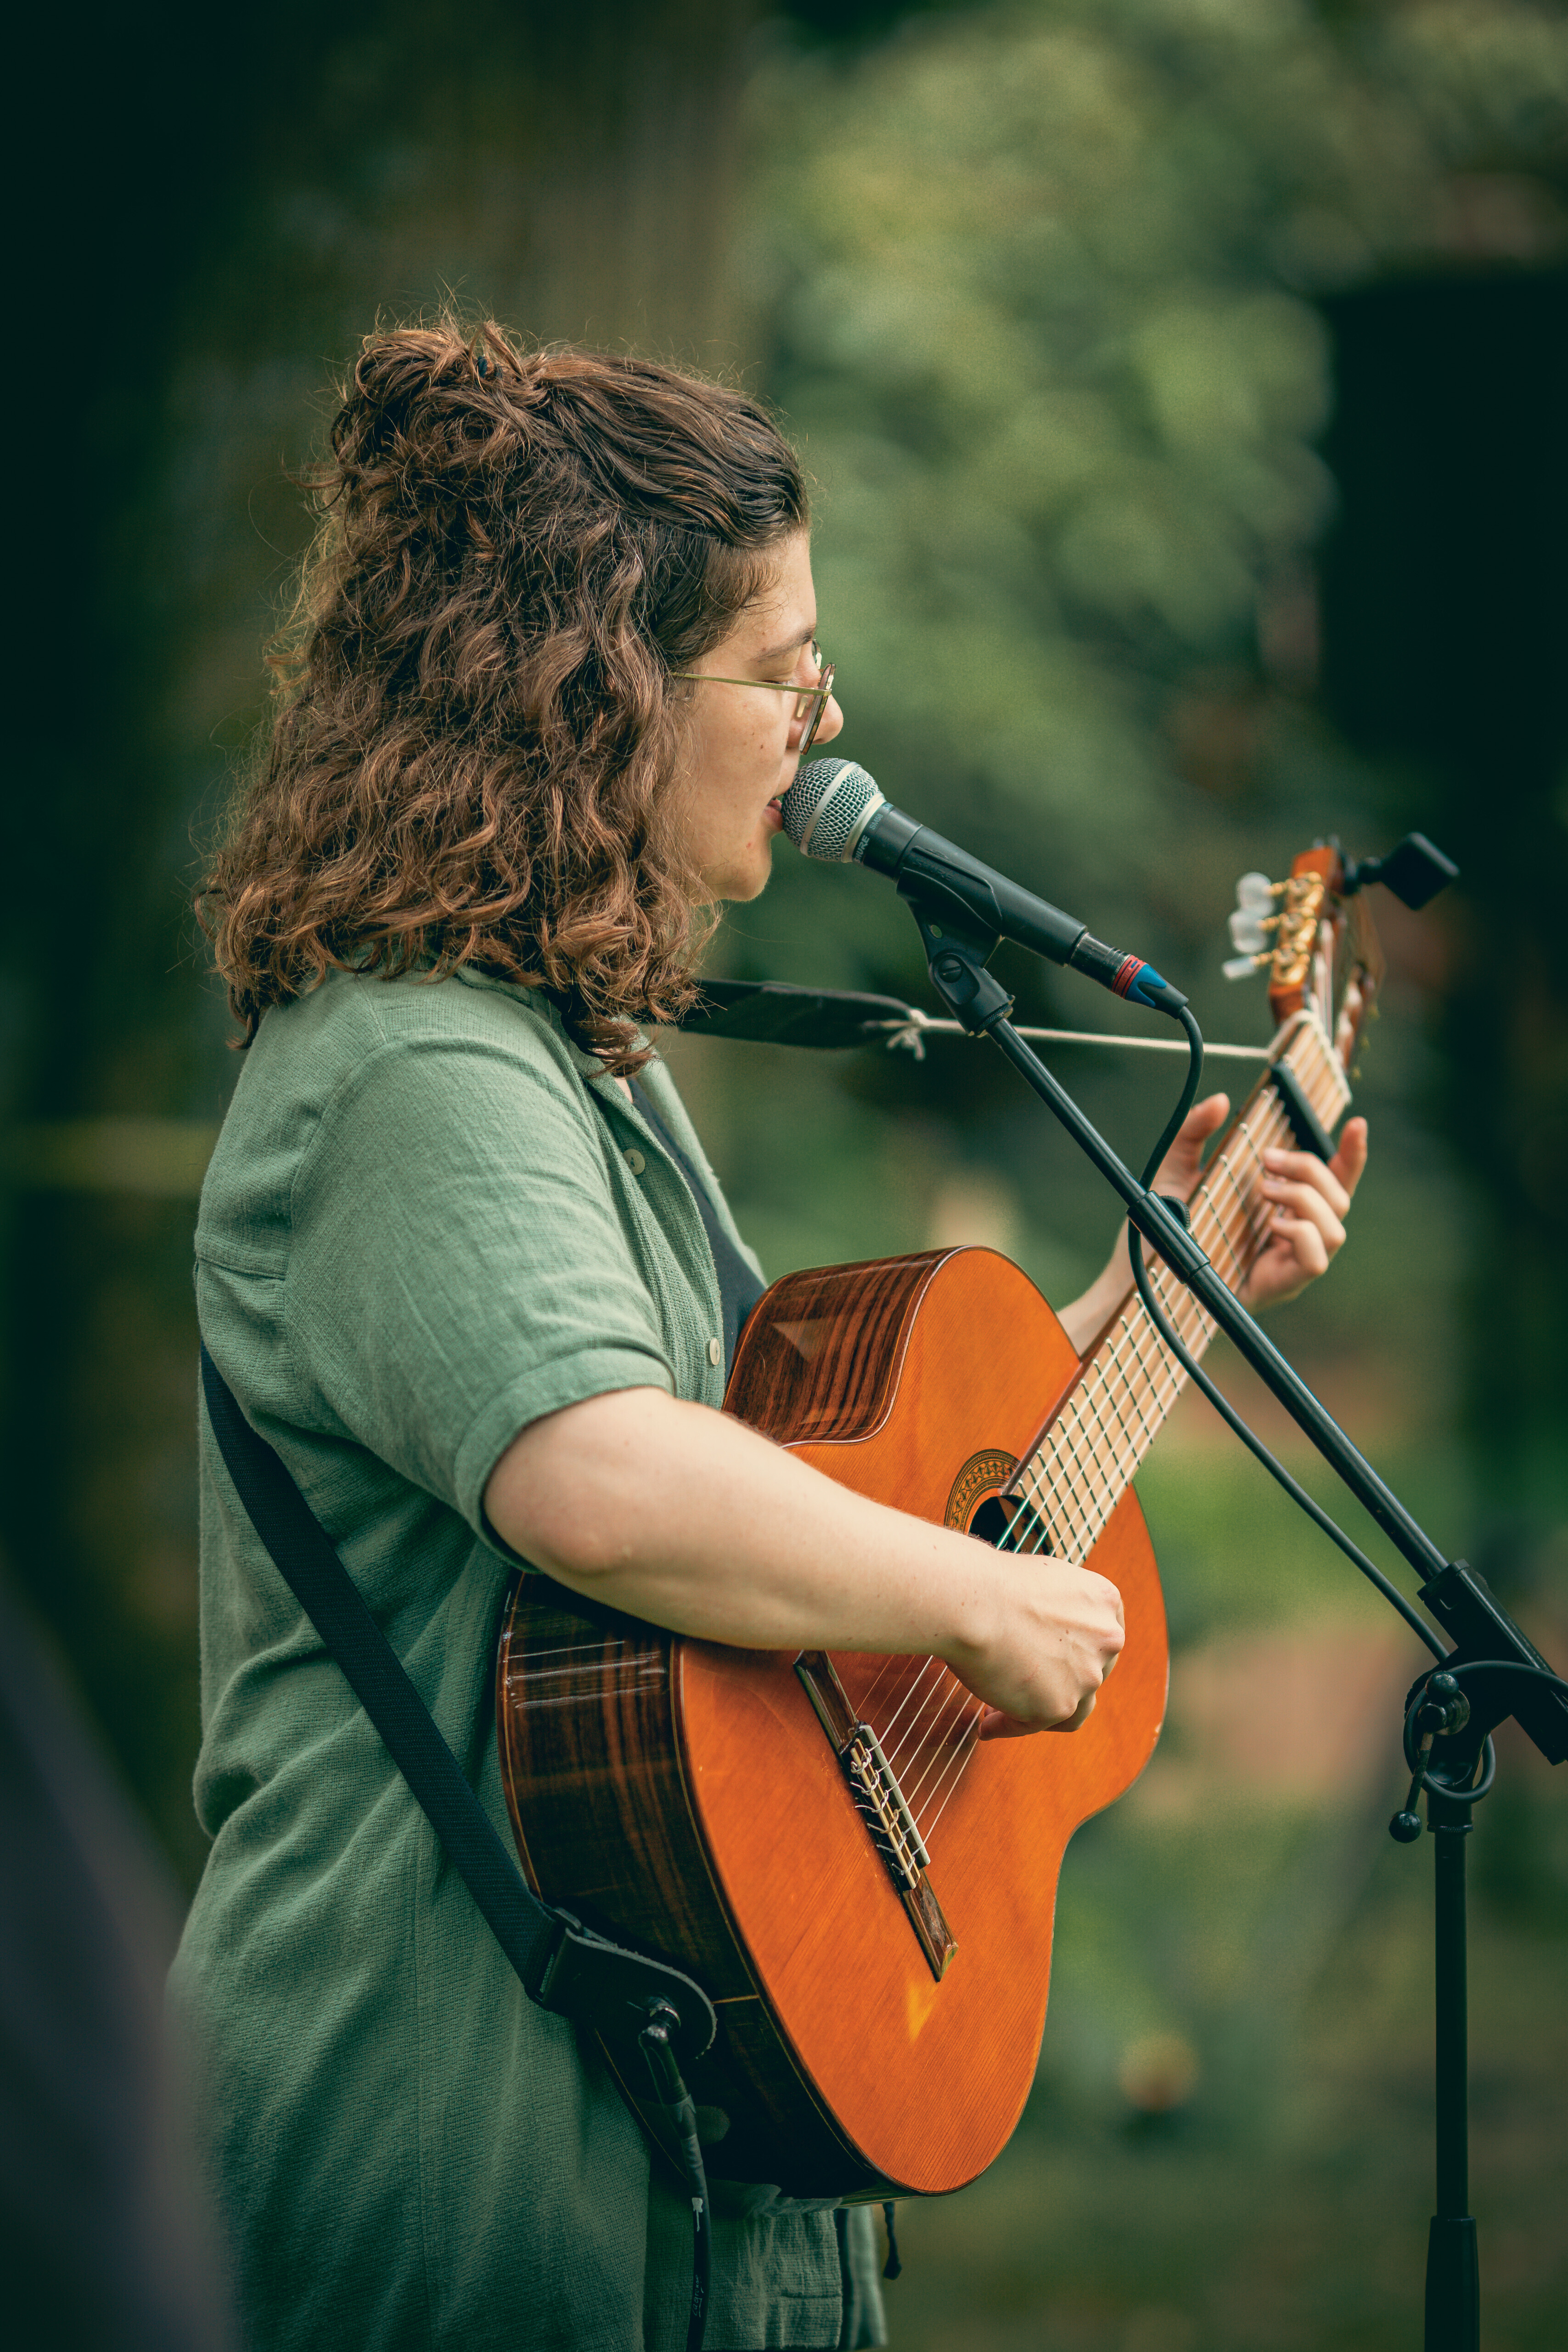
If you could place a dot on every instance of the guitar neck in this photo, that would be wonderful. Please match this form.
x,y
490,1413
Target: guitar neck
x,y
1127,1384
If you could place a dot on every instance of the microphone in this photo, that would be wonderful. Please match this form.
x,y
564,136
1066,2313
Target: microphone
x,y
834,811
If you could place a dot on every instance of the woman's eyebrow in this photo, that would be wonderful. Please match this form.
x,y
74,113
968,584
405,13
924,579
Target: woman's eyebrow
x,y
790,645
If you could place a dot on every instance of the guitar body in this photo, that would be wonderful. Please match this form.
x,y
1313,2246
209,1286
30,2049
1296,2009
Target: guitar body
x,y
691,1799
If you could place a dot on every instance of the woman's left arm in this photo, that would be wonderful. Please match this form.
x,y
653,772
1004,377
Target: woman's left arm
x,y
1311,1199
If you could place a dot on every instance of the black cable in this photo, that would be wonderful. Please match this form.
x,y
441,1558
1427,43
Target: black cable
x,y
1255,1447
680,2115
1464,1793
1461,1666
1189,1093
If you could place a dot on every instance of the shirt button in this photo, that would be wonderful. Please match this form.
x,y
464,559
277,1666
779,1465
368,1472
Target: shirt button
x,y
635,1163
715,1352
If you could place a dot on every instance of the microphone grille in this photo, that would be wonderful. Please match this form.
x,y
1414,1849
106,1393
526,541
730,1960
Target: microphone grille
x,y
828,808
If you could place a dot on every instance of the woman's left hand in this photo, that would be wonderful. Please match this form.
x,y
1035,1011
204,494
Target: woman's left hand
x,y
1309,1197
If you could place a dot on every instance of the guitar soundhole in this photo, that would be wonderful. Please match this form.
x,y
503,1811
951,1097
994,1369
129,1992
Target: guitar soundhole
x,y
993,1519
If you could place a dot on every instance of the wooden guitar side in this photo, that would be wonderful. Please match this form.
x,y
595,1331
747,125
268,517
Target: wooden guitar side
x,y
684,1796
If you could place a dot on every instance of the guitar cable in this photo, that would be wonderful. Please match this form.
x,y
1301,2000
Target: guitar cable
x,y
1221,1403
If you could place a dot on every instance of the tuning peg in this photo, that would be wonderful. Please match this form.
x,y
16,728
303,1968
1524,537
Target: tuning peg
x,y
1248,929
1243,967
1256,893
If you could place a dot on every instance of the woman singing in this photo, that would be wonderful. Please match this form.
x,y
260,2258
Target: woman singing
x,y
555,662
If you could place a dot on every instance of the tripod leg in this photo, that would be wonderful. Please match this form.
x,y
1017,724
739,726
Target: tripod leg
x,y
1453,2273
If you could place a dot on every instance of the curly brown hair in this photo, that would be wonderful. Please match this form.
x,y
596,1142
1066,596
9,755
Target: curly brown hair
x,y
475,723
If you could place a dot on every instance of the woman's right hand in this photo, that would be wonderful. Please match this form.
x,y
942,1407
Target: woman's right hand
x,y
1059,1632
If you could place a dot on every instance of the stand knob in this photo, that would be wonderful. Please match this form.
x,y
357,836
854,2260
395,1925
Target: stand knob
x,y
1406,1827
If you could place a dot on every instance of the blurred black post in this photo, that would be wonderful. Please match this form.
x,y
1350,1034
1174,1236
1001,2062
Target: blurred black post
x,y
1445,617
1453,2269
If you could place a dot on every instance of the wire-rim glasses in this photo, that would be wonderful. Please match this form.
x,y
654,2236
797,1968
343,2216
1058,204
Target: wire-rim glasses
x,y
810,701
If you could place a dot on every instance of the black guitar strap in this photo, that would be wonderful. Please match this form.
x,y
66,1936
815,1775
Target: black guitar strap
x,y
776,1013
650,2015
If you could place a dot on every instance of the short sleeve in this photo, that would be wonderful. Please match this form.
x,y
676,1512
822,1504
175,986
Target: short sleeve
x,y
457,1266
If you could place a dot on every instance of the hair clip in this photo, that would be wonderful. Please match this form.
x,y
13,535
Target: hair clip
x,y
483,365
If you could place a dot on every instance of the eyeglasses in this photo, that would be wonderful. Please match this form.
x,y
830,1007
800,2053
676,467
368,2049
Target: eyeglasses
x,y
810,701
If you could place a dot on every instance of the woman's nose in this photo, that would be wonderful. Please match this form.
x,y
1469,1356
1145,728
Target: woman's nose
x,y
832,723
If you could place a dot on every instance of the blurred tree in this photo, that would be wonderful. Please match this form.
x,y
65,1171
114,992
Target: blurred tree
x,y
224,204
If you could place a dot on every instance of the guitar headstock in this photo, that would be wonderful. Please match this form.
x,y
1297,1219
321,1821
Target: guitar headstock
x,y
1314,935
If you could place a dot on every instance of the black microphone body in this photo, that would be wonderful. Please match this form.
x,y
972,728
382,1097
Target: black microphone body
x,y
834,811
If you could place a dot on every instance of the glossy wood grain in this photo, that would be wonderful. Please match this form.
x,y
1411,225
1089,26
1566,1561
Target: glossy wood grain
x,y
596,1788
685,1794
821,1353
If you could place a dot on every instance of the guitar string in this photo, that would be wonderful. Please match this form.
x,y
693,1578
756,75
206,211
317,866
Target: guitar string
x,y
920,1677
918,1735
934,1802
921,1724
960,1765
938,1753
921,1666
956,1704
929,1754
930,1681
877,1679
962,1747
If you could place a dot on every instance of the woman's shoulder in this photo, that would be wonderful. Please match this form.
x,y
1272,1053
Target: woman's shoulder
x,y
351,1013
311,1049
409,1053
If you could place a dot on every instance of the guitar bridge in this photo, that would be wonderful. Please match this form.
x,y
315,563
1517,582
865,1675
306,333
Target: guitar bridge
x,y
880,1803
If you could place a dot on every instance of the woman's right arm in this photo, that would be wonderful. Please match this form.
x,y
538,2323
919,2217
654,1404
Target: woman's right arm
x,y
683,1516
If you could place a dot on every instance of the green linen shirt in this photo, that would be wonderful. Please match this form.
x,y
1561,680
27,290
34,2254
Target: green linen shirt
x,y
418,1234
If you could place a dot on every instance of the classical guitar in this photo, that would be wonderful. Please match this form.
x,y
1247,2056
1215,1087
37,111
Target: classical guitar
x,y
866,1891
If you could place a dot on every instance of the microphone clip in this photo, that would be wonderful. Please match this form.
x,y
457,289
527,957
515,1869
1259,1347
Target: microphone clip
x,y
957,949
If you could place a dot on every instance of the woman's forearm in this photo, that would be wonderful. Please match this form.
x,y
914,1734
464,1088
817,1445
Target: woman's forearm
x,y
1086,1318
683,1516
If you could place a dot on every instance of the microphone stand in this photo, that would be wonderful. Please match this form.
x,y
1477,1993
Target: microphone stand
x,y
1493,1671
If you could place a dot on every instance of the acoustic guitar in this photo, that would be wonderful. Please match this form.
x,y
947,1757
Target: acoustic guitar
x,y
865,1890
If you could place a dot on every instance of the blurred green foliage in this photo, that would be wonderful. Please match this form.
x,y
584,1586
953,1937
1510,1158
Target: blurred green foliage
x,y
1039,284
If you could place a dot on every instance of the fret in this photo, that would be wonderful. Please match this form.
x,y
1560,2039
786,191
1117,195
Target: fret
x,y
1097,1390
1130,1434
1064,1491
1098,1478
1054,1537
1073,1482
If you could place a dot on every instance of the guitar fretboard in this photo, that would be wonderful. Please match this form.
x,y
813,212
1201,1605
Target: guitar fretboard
x,y
1130,1380
926,1719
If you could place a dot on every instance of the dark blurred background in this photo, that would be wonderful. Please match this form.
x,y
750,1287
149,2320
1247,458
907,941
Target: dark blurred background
x,y
1184,383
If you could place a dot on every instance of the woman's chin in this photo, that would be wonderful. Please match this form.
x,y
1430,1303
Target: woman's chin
x,y
745,877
